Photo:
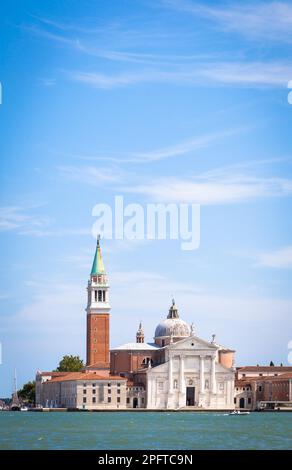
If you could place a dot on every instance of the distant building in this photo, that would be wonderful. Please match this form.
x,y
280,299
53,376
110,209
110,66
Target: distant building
x,y
84,390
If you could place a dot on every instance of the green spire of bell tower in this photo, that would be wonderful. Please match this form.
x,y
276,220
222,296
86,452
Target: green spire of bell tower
x,y
97,265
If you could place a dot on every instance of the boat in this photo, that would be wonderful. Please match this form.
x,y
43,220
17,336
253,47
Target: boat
x,y
15,403
238,413
23,408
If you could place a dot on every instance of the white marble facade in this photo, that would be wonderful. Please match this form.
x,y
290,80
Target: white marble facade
x,y
190,376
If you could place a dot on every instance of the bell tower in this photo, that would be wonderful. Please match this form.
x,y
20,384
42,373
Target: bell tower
x,y
98,312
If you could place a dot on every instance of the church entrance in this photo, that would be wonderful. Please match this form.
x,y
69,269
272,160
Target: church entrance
x,y
135,403
190,397
241,403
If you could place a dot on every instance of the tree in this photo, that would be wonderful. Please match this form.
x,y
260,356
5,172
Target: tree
x,y
272,364
70,364
27,393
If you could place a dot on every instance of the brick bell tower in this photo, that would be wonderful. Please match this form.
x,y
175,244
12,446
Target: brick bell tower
x,y
98,313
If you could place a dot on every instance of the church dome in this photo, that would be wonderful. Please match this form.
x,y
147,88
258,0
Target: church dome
x,y
172,326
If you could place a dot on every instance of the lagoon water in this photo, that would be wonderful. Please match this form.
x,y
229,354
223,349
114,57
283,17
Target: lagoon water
x,y
144,430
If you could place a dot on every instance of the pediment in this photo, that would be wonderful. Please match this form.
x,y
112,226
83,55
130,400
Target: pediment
x,y
192,342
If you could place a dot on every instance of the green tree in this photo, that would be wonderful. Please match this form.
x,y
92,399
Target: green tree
x,y
272,364
70,364
27,393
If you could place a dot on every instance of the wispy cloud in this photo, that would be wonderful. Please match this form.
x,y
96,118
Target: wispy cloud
x,y
24,221
217,187
269,20
281,258
244,74
18,217
90,174
48,81
179,69
57,232
177,150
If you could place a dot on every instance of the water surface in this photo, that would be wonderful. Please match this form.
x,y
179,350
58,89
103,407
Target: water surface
x,y
144,430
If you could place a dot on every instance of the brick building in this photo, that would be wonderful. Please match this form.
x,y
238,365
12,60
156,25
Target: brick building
x,y
259,387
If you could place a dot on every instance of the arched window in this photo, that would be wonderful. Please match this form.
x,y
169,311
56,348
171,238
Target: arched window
x,y
99,295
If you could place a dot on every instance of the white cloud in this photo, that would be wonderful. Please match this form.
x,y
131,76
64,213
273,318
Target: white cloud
x,y
281,258
184,147
268,20
214,188
18,217
58,232
176,150
89,174
246,74
48,82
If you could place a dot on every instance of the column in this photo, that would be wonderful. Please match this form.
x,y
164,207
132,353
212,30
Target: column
x,y
181,375
170,388
149,392
202,374
213,375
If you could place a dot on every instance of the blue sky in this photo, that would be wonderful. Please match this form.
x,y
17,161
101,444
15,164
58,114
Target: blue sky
x,y
158,101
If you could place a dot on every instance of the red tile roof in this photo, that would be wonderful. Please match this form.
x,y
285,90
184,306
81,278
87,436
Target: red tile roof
x,y
246,381
52,374
85,376
265,368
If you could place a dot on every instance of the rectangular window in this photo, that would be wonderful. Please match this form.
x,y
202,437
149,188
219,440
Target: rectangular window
x,y
109,385
128,400
260,388
84,399
118,385
109,391
99,295
109,399
95,295
84,390
93,385
118,392
234,401
249,401
93,399
119,400
100,393
94,391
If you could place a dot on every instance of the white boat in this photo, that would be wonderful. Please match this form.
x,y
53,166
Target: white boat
x,y
23,408
238,413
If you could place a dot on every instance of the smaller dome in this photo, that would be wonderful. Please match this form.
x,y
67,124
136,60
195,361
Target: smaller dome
x,y
173,327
